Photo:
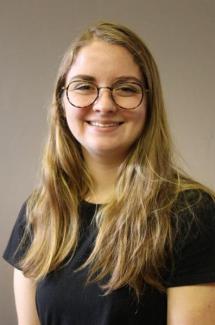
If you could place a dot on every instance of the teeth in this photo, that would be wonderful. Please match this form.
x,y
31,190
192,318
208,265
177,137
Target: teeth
x,y
104,125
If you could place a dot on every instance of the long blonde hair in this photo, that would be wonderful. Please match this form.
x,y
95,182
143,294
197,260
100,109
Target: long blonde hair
x,y
134,230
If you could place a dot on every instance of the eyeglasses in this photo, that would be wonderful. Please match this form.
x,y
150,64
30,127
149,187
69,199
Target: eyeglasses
x,y
126,95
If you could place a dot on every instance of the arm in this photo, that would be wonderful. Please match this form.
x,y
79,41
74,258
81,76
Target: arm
x,y
24,291
191,305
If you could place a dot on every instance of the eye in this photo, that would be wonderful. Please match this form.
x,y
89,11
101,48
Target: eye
x,y
82,87
127,89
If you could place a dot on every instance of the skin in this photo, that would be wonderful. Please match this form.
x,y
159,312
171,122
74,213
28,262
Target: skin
x,y
105,63
104,150
191,305
24,292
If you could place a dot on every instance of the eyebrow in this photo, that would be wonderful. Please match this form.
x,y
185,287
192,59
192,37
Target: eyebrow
x,y
92,79
82,77
129,78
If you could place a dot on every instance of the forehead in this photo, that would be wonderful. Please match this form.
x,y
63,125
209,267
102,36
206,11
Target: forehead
x,y
103,60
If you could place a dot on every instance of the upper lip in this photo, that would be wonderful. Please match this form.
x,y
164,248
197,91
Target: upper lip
x,y
104,122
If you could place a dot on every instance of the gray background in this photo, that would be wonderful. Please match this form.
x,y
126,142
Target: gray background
x,y
33,38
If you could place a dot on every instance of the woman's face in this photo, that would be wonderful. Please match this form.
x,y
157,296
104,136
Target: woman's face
x,y
103,129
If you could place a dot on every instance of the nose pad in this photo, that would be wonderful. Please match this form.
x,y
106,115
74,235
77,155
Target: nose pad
x,y
104,102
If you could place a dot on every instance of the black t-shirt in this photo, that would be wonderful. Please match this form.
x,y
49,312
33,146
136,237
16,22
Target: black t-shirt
x,y
63,298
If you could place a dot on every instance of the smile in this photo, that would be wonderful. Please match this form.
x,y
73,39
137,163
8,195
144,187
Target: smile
x,y
104,124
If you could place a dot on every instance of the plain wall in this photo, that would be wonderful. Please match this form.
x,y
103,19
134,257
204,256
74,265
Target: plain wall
x,y
33,38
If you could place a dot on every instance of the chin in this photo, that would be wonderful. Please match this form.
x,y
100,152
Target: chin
x,y
108,153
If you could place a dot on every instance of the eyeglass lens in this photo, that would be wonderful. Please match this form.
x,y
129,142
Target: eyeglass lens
x,y
127,95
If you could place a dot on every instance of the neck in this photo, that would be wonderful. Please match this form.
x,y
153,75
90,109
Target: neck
x,y
104,174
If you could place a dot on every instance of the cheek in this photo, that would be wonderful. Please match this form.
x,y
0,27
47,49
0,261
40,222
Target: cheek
x,y
75,118
141,117
138,120
139,124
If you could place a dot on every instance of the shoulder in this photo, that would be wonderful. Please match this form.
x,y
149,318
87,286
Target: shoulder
x,y
19,240
194,207
22,215
194,239
194,218
195,199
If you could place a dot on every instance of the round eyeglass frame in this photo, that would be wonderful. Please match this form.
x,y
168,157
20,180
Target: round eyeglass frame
x,y
143,90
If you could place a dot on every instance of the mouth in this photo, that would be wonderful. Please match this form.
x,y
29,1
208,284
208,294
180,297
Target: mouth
x,y
108,124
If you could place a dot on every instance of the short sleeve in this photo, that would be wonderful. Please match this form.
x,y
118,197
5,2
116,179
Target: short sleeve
x,y
194,249
17,244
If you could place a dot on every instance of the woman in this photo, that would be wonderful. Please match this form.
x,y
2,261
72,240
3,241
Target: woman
x,y
114,234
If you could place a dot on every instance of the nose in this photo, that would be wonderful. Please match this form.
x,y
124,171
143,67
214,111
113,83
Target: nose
x,y
104,102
